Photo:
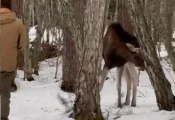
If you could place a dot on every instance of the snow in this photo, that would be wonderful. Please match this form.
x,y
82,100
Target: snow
x,y
38,100
54,34
163,52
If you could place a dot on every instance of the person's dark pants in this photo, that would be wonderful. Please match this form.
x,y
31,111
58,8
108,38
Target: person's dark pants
x,y
6,82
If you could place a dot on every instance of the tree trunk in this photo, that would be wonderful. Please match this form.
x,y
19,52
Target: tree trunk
x,y
27,60
37,46
107,12
162,87
87,104
39,33
166,17
70,62
17,6
124,18
87,36
112,6
173,25
59,54
70,58
116,10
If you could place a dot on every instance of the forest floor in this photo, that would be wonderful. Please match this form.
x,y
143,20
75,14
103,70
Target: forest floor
x,y
40,99
43,99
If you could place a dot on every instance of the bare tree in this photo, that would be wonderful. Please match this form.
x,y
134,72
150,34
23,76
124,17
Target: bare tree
x,y
87,104
41,17
166,11
87,36
162,87
60,52
17,6
27,60
112,6
123,17
173,21
54,15
70,62
69,56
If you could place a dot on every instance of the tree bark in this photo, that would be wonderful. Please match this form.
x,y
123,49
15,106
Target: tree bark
x,y
70,64
37,46
70,58
27,60
173,25
39,33
166,18
162,87
87,104
112,10
87,34
17,6
124,18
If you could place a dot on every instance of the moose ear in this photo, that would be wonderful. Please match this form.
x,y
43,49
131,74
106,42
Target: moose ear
x,y
137,50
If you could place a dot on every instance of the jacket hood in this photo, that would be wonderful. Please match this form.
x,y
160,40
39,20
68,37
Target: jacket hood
x,y
8,17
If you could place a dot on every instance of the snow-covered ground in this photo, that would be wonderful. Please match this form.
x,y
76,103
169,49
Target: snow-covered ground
x,y
38,100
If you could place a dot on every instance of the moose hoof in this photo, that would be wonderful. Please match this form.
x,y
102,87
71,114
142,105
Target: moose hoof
x,y
133,105
120,106
126,103
13,89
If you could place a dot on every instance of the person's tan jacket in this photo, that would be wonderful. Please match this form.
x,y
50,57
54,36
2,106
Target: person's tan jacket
x,y
13,38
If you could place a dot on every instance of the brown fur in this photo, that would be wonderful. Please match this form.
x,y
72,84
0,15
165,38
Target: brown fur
x,y
116,53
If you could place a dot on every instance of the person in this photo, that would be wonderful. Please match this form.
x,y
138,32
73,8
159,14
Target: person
x,y
13,38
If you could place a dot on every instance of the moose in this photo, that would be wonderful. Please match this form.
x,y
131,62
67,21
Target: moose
x,y
121,50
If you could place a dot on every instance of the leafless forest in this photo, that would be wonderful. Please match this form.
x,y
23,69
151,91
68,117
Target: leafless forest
x,y
78,28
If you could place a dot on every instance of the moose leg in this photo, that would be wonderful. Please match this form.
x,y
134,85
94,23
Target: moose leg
x,y
138,77
128,82
13,86
119,78
103,76
134,78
